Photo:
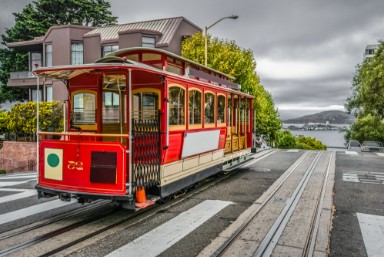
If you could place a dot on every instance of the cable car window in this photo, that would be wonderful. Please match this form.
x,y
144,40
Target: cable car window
x,y
111,107
209,108
221,109
84,109
194,107
176,105
145,106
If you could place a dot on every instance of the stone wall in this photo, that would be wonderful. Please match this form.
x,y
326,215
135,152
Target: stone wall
x,y
18,156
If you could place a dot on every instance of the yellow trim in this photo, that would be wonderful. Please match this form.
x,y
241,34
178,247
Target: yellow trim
x,y
82,91
180,126
213,124
149,90
222,124
196,125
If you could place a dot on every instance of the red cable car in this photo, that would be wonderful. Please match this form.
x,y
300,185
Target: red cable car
x,y
142,119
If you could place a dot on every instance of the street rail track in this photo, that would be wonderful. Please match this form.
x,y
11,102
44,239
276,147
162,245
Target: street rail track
x,y
140,214
271,238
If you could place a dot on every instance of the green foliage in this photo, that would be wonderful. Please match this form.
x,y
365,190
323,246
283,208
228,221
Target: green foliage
x,y
34,21
229,58
368,87
285,140
367,100
2,171
22,117
3,121
366,127
36,18
11,61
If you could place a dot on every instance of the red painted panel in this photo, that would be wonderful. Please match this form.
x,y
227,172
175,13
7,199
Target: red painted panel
x,y
222,137
173,152
76,177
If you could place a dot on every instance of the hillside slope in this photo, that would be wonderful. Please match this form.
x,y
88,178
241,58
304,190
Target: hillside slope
x,y
333,117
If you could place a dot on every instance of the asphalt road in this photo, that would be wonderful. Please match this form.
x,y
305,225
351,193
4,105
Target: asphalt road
x,y
358,193
359,189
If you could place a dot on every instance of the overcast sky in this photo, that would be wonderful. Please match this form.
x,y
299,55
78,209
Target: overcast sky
x,y
306,50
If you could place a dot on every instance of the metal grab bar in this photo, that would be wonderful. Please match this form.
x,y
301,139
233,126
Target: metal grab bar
x,y
81,134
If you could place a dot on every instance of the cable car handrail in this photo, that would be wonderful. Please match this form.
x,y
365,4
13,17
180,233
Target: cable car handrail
x,y
81,134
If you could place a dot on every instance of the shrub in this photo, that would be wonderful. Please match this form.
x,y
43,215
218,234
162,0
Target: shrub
x,y
286,140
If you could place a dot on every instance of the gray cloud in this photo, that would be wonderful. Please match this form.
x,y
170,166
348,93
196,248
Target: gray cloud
x,y
306,50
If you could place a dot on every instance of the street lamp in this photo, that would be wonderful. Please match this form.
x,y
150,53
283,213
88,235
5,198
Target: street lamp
x,y
233,17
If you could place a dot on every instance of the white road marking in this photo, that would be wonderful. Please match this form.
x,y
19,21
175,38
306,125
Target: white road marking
x,y
350,177
18,196
351,152
293,151
161,238
14,183
29,211
380,154
17,177
372,229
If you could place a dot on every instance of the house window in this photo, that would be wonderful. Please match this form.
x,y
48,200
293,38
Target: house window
x,y
77,51
49,94
34,95
194,107
109,49
48,55
176,105
35,60
209,108
148,42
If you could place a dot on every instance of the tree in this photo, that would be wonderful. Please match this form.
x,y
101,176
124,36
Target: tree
x,y
35,20
368,87
367,100
229,58
366,127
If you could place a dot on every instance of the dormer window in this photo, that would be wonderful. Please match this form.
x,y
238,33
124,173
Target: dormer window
x,y
109,49
147,41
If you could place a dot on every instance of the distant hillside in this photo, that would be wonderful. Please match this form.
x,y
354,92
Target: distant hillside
x,y
333,117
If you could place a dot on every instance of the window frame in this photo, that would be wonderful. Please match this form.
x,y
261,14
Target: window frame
x,y
196,125
147,90
224,122
211,124
74,52
92,127
104,53
146,44
177,126
48,55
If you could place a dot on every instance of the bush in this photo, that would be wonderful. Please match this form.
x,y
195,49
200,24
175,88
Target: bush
x,y
286,140
2,171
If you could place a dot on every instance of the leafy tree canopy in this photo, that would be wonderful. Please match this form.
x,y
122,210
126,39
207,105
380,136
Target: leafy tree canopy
x,y
229,58
367,100
34,21
368,87
36,18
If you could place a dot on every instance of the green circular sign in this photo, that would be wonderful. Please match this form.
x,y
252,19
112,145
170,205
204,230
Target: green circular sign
x,y
53,160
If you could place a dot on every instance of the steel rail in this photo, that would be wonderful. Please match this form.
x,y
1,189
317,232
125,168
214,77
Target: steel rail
x,y
237,232
270,240
48,221
56,232
152,210
312,235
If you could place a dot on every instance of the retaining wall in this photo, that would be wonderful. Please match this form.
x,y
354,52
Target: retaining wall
x,y
18,156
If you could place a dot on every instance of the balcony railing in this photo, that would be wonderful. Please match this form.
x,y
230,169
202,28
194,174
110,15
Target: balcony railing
x,y
21,75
